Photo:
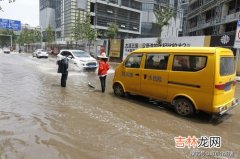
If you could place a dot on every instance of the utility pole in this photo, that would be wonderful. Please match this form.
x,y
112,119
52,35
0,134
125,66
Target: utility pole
x,y
41,37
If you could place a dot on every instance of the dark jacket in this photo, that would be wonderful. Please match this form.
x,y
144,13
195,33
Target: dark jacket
x,y
63,65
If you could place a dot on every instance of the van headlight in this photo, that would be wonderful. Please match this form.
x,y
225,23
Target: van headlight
x,y
223,108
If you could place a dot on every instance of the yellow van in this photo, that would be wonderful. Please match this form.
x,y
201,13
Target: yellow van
x,y
192,79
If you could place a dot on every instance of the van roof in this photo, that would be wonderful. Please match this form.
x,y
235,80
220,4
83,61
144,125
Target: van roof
x,y
181,49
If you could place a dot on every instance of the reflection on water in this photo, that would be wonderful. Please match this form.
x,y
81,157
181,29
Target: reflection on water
x,y
40,118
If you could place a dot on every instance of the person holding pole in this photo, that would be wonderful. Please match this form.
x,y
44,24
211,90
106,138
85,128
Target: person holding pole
x,y
103,67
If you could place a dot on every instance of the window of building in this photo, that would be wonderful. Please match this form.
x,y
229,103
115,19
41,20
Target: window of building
x,y
238,6
231,7
231,27
133,61
193,22
113,1
92,7
136,5
147,6
210,14
195,5
125,3
189,63
156,61
92,20
208,31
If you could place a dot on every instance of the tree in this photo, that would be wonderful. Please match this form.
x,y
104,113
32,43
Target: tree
x,y
90,33
112,30
49,35
77,29
28,36
5,37
163,15
83,31
36,35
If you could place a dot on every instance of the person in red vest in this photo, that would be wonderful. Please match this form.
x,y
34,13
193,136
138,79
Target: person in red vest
x,y
103,67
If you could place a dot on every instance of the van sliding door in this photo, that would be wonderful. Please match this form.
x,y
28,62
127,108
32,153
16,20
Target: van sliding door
x,y
155,76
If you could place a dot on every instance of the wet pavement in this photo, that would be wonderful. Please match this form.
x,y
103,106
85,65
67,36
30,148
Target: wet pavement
x,y
39,119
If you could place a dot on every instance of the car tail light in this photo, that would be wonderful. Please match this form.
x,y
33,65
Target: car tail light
x,y
220,86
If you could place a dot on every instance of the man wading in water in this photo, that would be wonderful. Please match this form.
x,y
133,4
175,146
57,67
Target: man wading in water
x,y
63,69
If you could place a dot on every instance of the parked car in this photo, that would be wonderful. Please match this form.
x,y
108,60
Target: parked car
x,y
6,50
40,53
80,58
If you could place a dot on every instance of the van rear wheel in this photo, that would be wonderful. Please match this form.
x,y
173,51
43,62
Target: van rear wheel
x,y
184,107
118,90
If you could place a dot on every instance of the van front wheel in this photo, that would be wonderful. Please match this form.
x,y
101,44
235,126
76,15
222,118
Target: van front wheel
x,y
118,90
183,107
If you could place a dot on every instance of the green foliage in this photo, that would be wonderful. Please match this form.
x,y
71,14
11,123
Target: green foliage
x,y
50,37
83,31
29,36
6,40
112,30
77,29
163,15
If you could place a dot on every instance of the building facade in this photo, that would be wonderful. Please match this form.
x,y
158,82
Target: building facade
x,y
212,17
125,13
61,15
149,26
47,13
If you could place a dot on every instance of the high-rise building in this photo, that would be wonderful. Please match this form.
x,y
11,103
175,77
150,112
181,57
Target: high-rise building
x,y
212,17
47,13
149,26
62,14
125,13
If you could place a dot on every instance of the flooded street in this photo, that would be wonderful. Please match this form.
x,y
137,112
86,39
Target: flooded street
x,y
40,119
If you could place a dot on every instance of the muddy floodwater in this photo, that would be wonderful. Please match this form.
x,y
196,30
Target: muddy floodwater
x,y
41,120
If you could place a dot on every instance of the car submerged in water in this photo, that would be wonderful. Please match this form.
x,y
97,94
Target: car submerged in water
x,y
80,58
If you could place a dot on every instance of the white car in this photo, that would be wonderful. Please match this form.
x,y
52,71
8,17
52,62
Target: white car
x,y
6,50
40,53
80,58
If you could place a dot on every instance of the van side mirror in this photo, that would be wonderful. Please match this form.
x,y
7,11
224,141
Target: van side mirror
x,y
127,64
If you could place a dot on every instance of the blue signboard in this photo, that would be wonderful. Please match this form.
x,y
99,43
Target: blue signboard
x,y
10,24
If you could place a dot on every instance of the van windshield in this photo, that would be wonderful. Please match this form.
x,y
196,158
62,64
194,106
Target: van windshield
x,y
227,66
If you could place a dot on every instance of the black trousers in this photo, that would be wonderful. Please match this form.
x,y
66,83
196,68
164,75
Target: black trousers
x,y
64,79
103,82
